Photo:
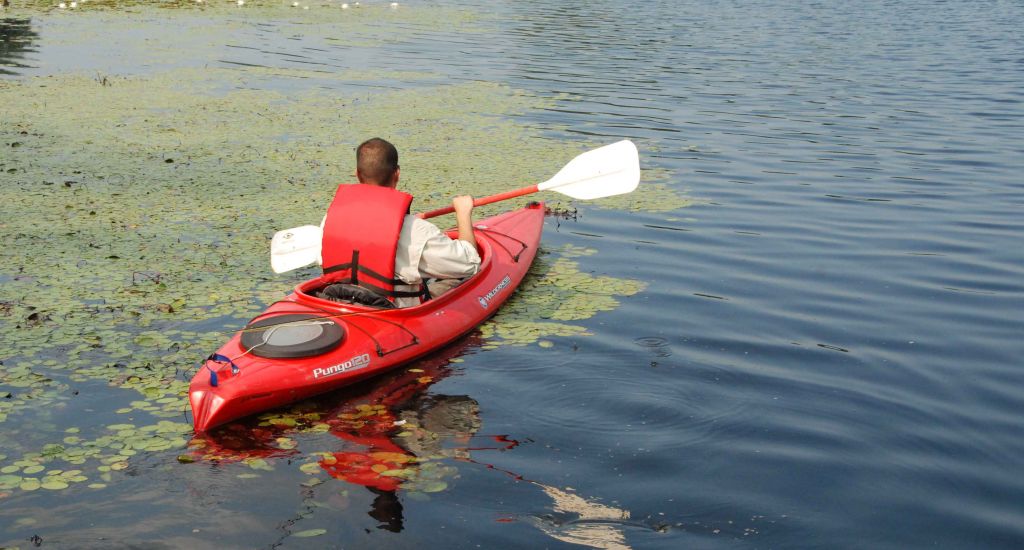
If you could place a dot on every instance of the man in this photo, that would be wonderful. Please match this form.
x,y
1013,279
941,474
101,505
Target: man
x,y
372,241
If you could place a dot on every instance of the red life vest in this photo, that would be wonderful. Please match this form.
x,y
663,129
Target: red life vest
x,y
361,236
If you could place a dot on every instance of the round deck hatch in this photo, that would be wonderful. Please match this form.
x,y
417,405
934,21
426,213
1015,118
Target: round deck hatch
x,y
292,336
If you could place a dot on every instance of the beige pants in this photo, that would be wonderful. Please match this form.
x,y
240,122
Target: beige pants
x,y
438,287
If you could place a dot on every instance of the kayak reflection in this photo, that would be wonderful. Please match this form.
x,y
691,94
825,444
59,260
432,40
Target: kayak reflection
x,y
396,435
385,460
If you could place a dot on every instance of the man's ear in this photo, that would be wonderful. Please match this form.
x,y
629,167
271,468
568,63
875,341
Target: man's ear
x,y
359,177
394,177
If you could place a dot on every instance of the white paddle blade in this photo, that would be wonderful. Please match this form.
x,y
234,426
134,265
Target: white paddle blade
x,y
294,248
604,172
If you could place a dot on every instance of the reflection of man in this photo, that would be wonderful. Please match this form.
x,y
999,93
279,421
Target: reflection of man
x,y
440,419
387,509
403,434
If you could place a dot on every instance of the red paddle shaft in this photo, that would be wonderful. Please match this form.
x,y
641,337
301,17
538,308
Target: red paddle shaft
x,y
484,200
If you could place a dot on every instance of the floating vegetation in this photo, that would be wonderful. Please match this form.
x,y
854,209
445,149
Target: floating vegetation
x,y
554,294
55,466
309,533
359,20
136,214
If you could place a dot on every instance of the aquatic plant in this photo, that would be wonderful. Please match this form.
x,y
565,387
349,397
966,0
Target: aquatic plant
x,y
136,215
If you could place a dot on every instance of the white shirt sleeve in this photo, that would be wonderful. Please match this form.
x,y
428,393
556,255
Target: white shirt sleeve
x,y
446,258
424,251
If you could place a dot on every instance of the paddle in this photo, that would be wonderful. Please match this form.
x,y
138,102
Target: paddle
x,y
603,172
294,248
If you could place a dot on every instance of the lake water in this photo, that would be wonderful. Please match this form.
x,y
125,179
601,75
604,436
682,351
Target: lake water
x,y
826,349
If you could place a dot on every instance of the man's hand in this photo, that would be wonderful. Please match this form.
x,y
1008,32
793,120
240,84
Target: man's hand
x,y
463,205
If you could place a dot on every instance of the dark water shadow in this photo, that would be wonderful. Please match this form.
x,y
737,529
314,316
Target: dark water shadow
x,y
17,39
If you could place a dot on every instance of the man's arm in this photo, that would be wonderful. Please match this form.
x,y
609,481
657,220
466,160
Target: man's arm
x,y
463,206
439,256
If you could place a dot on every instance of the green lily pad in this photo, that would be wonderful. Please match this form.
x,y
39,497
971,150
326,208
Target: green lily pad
x,y
435,486
30,484
258,464
10,481
54,485
309,533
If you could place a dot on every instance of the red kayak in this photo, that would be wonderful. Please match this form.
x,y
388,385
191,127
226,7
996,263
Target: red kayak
x,y
305,345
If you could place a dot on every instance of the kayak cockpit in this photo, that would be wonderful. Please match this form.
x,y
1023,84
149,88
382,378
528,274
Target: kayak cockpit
x,y
323,292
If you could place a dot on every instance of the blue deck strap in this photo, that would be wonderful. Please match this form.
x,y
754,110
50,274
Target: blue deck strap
x,y
219,359
224,359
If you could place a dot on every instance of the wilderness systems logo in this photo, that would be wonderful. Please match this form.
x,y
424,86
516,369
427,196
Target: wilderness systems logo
x,y
486,300
354,363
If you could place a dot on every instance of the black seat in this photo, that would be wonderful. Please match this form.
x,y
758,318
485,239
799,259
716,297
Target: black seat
x,y
354,294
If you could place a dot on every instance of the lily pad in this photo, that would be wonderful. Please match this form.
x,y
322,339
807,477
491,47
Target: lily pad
x,y
434,486
309,533
30,484
55,485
